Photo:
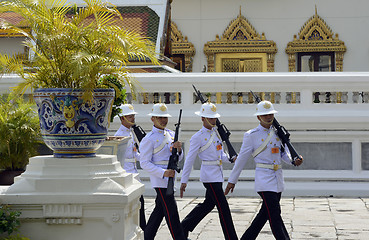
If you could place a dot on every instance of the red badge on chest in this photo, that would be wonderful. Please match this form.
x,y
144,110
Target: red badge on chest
x,y
219,147
275,150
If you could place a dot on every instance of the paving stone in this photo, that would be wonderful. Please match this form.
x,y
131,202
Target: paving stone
x,y
305,218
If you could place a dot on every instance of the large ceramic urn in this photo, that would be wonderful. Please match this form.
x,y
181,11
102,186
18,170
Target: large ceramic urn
x,y
70,126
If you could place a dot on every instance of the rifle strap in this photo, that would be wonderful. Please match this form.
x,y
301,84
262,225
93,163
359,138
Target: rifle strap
x,y
263,146
166,139
135,137
207,145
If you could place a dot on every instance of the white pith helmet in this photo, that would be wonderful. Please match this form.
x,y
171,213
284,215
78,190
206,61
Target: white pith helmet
x,y
208,110
127,109
264,108
159,110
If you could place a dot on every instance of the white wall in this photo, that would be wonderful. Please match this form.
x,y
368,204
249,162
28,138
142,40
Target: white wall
x,y
201,20
11,45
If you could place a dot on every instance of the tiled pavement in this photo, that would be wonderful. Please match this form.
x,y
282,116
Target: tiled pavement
x,y
305,218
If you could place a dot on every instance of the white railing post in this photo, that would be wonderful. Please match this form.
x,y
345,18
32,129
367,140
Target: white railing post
x,y
356,156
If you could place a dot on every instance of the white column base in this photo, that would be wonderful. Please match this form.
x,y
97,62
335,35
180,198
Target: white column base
x,y
76,198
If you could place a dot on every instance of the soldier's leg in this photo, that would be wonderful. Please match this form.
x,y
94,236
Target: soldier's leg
x,y
142,214
198,213
225,217
271,200
170,210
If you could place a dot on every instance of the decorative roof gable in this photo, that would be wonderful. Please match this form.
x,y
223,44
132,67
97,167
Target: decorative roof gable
x,y
240,29
181,45
315,36
240,37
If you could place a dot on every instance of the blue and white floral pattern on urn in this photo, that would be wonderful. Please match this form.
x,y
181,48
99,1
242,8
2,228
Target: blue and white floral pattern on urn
x,y
70,126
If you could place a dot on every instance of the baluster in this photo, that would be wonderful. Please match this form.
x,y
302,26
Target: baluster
x,y
293,97
239,98
262,96
316,97
145,98
219,97
177,98
229,97
288,97
328,97
365,97
250,98
167,98
338,97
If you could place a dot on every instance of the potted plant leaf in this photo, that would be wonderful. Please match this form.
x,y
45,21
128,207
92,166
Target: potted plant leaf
x,y
19,136
72,49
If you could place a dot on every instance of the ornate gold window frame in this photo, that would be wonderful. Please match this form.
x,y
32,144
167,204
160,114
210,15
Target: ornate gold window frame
x,y
181,45
315,36
240,41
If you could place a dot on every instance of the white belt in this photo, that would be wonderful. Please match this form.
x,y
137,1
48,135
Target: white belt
x,y
130,160
269,166
164,162
213,163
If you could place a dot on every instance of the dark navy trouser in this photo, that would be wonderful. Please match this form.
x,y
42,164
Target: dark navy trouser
x,y
214,196
270,211
165,206
142,214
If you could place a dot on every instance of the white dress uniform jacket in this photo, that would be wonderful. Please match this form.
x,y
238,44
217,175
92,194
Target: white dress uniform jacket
x,y
208,173
265,179
156,163
131,151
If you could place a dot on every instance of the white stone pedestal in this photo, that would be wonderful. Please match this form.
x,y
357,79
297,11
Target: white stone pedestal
x,y
76,198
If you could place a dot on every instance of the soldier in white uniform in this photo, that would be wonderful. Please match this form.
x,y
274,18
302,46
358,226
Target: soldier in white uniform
x,y
155,151
208,146
264,145
127,119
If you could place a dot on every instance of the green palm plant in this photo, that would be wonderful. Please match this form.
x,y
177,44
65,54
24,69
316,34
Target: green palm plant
x,y
19,132
73,47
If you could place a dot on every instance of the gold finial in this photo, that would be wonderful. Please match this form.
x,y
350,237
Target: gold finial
x,y
316,11
240,10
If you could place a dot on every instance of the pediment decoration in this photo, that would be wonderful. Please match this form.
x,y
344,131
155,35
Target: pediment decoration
x,y
241,39
316,36
181,45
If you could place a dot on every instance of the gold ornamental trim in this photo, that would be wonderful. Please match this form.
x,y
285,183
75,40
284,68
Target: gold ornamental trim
x,y
181,45
10,33
240,37
315,36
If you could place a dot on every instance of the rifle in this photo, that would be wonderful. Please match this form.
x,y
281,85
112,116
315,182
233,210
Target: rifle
x,y
283,134
224,133
173,160
139,133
